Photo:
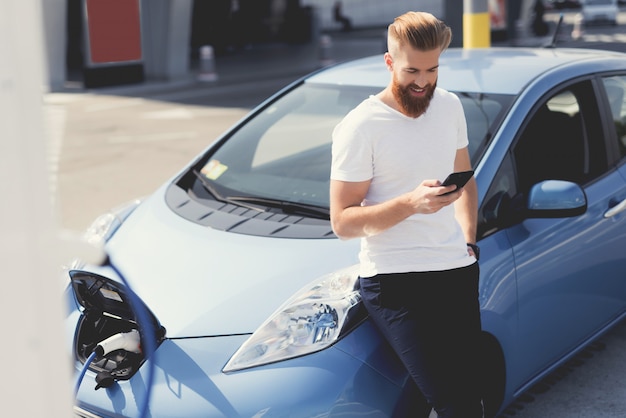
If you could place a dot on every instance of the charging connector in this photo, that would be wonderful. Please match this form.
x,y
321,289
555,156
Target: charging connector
x,y
128,341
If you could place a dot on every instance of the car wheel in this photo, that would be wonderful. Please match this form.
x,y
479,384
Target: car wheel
x,y
493,375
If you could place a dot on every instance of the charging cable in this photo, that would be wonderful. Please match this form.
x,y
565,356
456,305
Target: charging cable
x,y
88,362
150,335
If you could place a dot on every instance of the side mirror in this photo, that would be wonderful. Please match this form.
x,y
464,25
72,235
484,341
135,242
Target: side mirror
x,y
556,199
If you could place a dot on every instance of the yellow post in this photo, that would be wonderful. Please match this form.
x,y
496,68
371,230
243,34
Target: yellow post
x,y
476,24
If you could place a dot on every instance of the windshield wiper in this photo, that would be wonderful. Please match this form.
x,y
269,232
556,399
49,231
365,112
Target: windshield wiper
x,y
251,202
217,196
290,208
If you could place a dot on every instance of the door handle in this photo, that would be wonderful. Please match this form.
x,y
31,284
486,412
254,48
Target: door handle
x,y
620,207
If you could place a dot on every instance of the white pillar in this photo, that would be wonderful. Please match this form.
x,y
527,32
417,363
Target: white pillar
x,y
36,370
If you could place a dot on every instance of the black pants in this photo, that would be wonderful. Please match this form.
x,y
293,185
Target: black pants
x,y
432,321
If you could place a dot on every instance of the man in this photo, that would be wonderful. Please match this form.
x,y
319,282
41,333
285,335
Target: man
x,y
418,258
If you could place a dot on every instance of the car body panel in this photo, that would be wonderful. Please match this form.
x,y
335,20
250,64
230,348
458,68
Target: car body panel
x,y
583,255
209,266
622,171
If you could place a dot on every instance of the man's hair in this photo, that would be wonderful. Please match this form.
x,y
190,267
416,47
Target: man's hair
x,y
420,30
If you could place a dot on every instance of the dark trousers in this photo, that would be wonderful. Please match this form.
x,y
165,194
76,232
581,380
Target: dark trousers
x,y
432,321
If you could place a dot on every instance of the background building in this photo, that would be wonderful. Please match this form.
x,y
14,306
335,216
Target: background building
x,y
106,42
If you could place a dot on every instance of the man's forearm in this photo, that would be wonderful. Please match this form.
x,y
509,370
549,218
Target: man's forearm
x,y
466,209
361,221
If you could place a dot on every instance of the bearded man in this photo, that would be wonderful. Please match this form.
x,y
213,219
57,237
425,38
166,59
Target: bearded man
x,y
418,258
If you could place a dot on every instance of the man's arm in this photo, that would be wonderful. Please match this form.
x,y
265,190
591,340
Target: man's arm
x,y
466,207
351,220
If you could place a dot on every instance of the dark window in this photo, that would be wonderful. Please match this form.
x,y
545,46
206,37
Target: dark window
x,y
562,140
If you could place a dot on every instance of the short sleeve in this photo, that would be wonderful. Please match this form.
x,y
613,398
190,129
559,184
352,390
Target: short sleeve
x,y
352,158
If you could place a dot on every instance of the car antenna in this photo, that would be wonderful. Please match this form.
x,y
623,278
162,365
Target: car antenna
x,y
556,33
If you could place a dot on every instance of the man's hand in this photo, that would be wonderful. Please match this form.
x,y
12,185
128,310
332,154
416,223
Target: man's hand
x,y
430,197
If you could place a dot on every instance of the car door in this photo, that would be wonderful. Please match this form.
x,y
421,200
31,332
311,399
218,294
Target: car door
x,y
569,271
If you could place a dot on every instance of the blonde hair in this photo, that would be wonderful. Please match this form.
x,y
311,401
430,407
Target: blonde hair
x,y
420,30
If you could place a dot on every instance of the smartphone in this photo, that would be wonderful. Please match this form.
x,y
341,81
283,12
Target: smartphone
x,y
458,178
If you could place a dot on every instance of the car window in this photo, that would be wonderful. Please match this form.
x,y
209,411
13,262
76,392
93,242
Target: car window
x,y
561,140
284,152
483,113
615,88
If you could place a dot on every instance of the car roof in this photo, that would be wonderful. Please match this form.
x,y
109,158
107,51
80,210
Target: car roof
x,y
499,70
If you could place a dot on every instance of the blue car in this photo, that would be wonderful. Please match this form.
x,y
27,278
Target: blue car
x,y
226,294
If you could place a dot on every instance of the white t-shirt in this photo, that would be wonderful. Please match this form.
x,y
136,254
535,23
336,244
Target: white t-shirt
x,y
397,152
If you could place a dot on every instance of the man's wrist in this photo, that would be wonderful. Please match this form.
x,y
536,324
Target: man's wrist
x,y
476,249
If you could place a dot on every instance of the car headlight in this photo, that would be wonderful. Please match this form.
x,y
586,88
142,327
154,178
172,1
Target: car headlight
x,y
94,237
313,319
104,226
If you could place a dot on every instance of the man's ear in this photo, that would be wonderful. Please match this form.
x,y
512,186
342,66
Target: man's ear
x,y
388,61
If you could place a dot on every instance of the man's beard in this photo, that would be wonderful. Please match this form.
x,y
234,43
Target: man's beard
x,y
410,105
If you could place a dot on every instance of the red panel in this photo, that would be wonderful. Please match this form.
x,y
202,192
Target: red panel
x,y
114,28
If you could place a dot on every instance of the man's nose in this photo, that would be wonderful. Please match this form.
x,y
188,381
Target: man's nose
x,y
421,81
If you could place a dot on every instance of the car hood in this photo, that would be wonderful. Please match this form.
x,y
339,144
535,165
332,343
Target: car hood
x,y
203,282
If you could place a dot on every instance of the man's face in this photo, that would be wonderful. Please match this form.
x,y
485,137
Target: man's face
x,y
414,78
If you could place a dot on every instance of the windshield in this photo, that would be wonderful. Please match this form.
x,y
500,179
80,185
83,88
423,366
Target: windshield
x,y
283,153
